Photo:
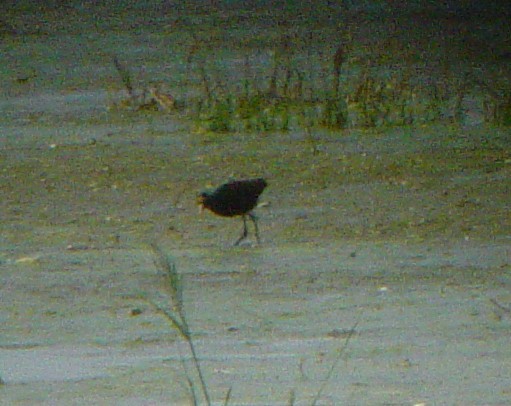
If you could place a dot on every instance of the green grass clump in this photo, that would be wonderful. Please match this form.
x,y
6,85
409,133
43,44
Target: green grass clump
x,y
294,90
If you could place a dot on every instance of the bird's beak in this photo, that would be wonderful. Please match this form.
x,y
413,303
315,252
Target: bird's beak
x,y
200,202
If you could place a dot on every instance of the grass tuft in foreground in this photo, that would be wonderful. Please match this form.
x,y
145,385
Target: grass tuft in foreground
x,y
177,318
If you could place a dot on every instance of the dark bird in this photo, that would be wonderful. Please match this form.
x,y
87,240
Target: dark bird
x,y
235,198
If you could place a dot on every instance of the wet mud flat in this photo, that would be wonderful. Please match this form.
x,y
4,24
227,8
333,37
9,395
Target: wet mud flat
x,y
383,275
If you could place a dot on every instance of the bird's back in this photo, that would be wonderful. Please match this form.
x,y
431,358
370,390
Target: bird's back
x,y
236,197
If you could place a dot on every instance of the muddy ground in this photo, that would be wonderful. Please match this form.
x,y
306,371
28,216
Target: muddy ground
x,y
383,275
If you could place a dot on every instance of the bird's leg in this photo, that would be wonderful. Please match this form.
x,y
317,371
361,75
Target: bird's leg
x,y
245,231
254,220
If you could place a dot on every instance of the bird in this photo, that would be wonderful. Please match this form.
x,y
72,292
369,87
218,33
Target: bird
x,y
235,198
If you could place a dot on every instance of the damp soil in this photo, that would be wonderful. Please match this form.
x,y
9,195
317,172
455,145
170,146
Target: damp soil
x,y
383,274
